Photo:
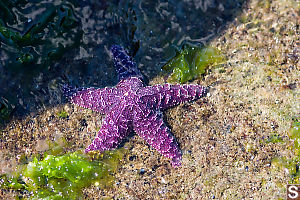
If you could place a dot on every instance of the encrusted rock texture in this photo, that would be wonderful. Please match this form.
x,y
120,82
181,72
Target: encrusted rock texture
x,y
253,95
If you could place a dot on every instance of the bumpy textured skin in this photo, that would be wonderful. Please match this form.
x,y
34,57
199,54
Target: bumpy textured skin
x,y
132,106
124,64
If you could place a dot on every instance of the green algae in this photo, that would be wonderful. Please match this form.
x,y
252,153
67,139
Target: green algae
x,y
64,176
191,62
275,138
62,114
56,147
291,165
12,182
295,136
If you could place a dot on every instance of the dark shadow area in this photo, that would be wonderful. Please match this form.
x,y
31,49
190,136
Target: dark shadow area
x,y
44,45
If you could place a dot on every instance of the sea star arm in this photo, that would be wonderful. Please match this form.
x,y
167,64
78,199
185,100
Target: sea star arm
x,y
92,98
115,127
124,64
165,96
149,125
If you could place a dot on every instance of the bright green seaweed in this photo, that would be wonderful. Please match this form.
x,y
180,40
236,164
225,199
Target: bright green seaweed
x,y
191,62
64,176
275,138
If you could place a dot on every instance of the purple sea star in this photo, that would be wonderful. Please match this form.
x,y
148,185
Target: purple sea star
x,y
132,106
